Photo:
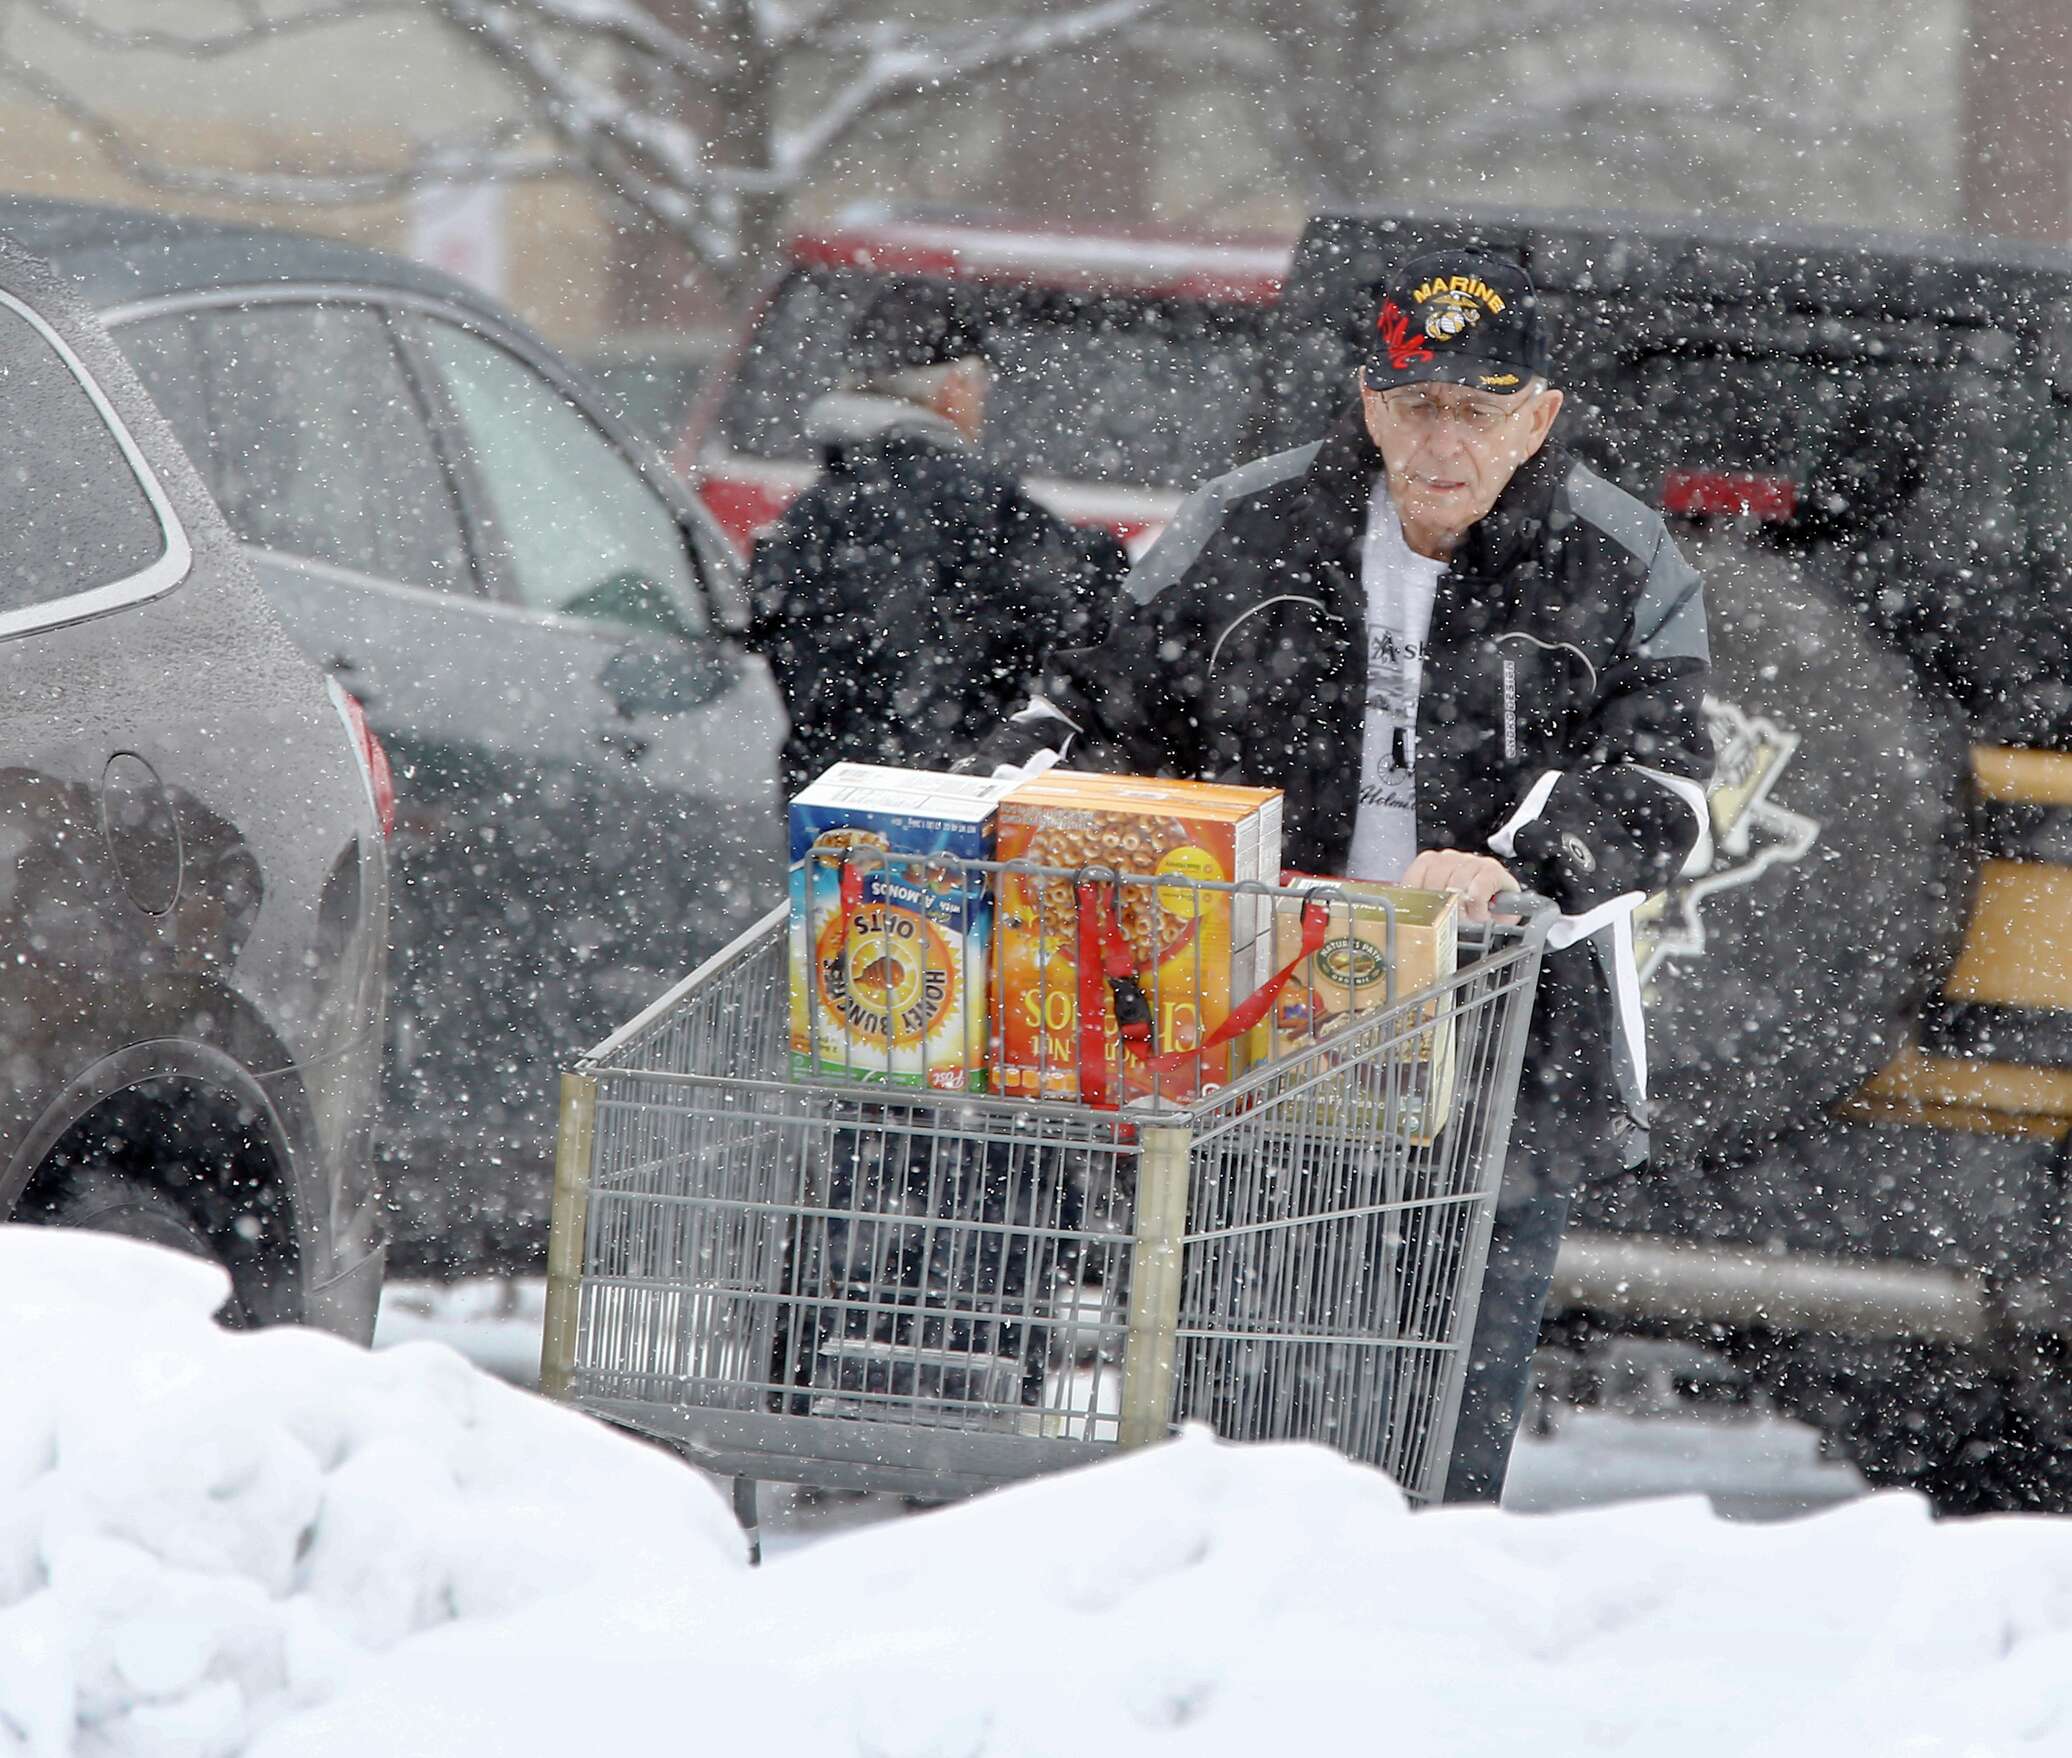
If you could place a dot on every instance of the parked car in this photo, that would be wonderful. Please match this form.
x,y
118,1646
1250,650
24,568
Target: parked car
x,y
1121,361
193,887
1860,1006
455,525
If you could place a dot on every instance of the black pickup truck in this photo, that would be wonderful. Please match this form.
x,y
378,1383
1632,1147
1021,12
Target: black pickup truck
x,y
1861,1008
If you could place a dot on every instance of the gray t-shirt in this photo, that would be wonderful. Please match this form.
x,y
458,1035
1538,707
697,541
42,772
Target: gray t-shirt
x,y
1400,584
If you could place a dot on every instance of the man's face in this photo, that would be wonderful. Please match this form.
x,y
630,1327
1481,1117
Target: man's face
x,y
1450,449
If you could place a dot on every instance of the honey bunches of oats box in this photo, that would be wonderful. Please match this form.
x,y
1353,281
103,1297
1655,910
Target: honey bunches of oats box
x,y
1347,977
889,985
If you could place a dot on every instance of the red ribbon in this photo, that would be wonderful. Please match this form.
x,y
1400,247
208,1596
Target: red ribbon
x,y
1108,974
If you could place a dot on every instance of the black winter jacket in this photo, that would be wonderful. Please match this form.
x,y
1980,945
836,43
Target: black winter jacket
x,y
906,600
1567,636
1562,685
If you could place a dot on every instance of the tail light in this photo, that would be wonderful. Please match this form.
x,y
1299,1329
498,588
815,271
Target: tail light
x,y
374,763
1730,494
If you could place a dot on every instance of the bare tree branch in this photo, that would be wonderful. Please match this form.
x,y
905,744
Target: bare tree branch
x,y
783,28
621,25
912,68
259,28
658,168
1711,101
671,106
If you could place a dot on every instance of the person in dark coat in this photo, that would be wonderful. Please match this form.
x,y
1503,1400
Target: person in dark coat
x,y
1470,662
906,600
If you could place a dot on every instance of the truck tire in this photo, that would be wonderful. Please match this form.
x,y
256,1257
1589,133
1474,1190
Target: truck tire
x,y
1787,971
1973,1437
1981,1429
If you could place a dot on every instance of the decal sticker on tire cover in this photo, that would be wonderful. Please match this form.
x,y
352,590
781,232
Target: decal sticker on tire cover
x,y
1751,833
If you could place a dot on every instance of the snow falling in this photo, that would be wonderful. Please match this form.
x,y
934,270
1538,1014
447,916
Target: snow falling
x,y
473,463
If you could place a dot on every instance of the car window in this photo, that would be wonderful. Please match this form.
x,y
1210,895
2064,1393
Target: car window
x,y
73,515
586,534
1137,392
1909,463
311,436
652,395
1134,392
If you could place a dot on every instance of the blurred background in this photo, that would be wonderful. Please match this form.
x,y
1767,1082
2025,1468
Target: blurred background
x,y
623,172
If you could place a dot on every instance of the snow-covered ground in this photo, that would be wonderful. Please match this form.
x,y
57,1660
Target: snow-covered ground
x,y
212,1543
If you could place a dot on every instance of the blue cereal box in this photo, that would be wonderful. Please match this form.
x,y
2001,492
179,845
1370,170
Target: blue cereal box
x,y
889,968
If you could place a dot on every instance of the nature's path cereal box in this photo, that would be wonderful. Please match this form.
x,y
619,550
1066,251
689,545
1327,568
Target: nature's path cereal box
x,y
889,983
1191,953
1348,976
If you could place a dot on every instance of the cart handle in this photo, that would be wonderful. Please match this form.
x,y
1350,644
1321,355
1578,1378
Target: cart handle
x,y
1527,906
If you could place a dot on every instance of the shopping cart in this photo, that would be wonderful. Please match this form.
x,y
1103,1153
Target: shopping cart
x,y
853,1284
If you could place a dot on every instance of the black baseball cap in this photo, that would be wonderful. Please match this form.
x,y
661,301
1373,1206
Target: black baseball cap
x,y
917,323
1466,317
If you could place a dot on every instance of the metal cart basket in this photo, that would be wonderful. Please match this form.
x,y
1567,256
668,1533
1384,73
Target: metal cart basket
x,y
871,1287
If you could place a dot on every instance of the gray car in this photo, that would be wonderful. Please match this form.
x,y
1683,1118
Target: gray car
x,y
453,522
193,886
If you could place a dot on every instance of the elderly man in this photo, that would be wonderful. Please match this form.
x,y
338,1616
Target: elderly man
x,y
906,600
1470,663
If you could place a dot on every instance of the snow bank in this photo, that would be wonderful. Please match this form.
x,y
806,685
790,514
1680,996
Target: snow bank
x,y
202,1532
207,1539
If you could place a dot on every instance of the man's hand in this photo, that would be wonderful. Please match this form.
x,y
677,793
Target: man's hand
x,y
1477,878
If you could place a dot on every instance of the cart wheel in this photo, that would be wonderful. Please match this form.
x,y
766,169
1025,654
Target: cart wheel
x,y
751,1520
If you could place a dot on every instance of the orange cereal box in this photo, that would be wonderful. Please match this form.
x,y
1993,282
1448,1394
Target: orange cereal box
x,y
1191,953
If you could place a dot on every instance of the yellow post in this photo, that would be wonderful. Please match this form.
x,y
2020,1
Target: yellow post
x,y
1154,1319
572,1148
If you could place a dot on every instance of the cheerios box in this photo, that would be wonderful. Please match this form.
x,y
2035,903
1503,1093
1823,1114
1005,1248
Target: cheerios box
x,y
888,971
1410,1074
1192,953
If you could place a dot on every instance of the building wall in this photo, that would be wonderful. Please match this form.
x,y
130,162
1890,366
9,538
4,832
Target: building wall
x,y
362,94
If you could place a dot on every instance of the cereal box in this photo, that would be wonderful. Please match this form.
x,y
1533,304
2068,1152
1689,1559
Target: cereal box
x,y
1348,976
888,973
1192,953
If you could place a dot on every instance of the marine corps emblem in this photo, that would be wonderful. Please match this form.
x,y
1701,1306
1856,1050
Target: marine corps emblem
x,y
1450,316
1453,305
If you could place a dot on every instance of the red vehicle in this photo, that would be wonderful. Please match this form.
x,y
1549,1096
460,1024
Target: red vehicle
x,y
1122,362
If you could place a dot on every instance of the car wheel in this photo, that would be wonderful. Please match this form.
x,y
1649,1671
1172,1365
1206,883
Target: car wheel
x,y
101,1198
135,1208
109,1202
1785,973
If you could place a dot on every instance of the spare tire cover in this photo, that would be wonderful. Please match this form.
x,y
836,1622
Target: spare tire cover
x,y
1782,970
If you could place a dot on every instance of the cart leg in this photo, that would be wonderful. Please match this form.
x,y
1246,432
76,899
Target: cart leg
x,y
751,1520
1155,1264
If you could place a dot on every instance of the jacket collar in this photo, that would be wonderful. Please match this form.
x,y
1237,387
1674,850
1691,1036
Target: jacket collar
x,y
1340,482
